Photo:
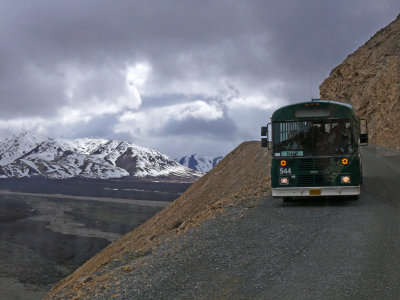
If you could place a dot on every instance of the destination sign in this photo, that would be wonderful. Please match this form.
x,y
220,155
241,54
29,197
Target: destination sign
x,y
292,153
312,113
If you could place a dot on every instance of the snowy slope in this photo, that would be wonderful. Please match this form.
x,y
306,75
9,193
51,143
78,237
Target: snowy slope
x,y
26,155
201,163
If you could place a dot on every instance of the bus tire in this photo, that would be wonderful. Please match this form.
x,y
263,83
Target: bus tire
x,y
286,199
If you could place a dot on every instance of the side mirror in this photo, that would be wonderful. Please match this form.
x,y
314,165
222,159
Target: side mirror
x,y
264,142
364,139
264,131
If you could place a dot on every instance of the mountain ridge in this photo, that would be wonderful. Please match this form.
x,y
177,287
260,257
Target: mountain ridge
x,y
27,155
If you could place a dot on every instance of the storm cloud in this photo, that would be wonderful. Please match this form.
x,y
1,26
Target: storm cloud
x,y
178,76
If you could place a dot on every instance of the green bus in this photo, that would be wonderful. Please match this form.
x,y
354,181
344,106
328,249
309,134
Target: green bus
x,y
315,150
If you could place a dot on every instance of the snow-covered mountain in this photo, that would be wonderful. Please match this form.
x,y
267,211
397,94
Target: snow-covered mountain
x,y
27,155
201,163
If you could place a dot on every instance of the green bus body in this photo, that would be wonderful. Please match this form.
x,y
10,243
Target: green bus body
x,y
315,150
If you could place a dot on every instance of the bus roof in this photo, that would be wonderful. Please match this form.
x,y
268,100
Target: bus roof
x,y
314,109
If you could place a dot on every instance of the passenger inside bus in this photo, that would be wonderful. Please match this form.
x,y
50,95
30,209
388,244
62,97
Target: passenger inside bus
x,y
346,142
341,138
327,137
321,139
293,141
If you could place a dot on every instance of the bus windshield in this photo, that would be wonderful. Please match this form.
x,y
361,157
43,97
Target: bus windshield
x,y
317,137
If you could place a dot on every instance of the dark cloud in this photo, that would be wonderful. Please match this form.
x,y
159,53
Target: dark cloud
x,y
30,95
60,58
309,38
220,129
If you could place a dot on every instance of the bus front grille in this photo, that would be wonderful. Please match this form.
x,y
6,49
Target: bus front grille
x,y
313,180
306,180
305,164
316,164
322,163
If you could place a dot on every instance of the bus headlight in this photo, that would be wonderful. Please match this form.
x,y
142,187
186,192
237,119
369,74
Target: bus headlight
x,y
284,180
345,179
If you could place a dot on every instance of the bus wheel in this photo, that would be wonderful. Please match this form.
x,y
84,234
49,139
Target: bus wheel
x,y
287,199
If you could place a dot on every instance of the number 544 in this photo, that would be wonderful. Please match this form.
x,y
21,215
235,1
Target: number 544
x,y
285,171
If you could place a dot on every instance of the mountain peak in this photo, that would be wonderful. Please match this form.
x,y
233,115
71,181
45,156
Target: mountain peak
x,y
201,163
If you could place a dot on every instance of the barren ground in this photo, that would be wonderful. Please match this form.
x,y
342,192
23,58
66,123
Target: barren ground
x,y
44,237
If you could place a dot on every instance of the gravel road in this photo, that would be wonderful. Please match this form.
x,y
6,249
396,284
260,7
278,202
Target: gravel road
x,y
311,249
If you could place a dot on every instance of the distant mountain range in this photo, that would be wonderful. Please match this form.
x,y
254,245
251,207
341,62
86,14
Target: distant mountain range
x,y
27,155
201,163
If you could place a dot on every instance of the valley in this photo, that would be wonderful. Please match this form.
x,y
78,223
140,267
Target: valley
x,y
48,228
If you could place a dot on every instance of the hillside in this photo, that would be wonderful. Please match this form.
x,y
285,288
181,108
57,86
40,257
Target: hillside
x,y
27,155
239,179
369,79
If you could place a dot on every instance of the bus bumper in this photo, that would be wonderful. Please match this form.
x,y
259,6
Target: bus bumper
x,y
316,191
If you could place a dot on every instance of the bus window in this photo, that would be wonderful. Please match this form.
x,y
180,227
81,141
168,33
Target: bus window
x,y
320,137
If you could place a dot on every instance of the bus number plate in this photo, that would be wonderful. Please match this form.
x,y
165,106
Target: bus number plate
x,y
285,171
315,192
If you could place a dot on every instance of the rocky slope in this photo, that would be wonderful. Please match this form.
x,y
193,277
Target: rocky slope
x,y
241,177
201,163
369,79
26,155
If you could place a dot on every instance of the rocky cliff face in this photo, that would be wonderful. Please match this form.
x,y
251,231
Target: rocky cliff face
x,y
369,79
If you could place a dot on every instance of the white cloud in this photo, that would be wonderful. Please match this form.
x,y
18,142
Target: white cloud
x,y
254,101
69,116
137,75
19,124
197,110
89,93
142,122
106,90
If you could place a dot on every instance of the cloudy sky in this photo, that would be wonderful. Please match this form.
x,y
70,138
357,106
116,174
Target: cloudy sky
x,y
192,76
